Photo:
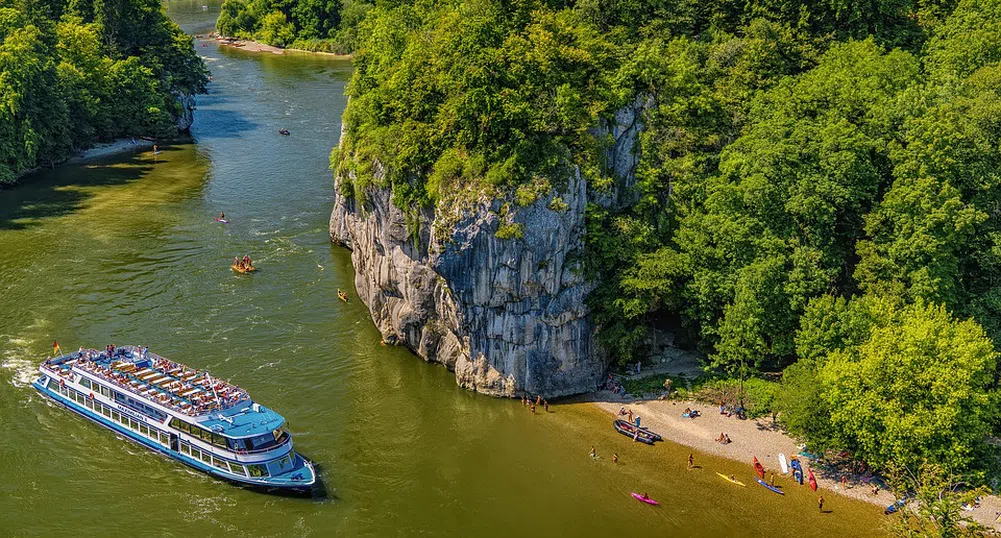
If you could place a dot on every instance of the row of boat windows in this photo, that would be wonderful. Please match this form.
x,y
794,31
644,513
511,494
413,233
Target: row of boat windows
x,y
201,433
110,413
108,393
253,470
162,437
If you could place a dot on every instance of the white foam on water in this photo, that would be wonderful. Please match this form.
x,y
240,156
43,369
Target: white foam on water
x,y
18,358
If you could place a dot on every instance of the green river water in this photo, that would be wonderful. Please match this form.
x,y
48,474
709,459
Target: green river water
x,y
127,251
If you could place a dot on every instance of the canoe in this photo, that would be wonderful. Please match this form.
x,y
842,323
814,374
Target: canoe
x,y
813,481
642,499
242,270
894,507
758,468
769,486
731,480
640,434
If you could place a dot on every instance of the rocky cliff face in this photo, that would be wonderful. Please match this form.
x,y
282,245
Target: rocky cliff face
x,y
508,316
186,104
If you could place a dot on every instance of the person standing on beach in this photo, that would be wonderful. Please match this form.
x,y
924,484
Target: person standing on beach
x,y
593,453
538,400
820,503
691,460
545,403
533,409
615,457
771,479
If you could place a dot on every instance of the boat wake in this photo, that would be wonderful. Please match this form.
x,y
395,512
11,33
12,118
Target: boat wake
x,y
18,358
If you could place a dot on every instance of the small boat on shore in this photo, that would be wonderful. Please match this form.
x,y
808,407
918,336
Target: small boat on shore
x,y
644,499
769,487
731,480
642,435
758,467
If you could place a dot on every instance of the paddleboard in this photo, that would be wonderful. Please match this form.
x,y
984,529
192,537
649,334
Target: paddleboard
x,y
224,221
640,498
769,487
730,480
783,464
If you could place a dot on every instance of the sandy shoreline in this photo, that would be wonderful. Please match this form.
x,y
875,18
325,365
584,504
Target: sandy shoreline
x,y
752,438
108,149
254,46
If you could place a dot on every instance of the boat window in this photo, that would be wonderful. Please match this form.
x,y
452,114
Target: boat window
x,y
257,470
116,416
219,463
89,403
236,468
218,440
85,382
106,410
179,424
185,449
144,429
206,457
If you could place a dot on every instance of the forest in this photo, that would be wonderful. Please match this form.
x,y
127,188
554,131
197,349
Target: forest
x,y
817,191
313,25
74,72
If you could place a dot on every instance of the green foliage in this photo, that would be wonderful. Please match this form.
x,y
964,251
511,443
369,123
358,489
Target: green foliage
x,y
100,71
938,502
314,25
510,230
810,182
901,385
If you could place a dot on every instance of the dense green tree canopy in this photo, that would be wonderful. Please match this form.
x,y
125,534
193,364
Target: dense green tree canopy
x,y
320,25
73,73
816,190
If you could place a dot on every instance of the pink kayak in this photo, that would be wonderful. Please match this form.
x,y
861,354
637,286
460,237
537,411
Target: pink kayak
x,y
647,500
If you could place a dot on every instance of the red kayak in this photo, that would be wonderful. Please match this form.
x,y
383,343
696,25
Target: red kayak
x,y
758,468
644,499
812,480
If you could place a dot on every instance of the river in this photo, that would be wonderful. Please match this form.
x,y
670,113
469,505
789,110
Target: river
x,y
128,251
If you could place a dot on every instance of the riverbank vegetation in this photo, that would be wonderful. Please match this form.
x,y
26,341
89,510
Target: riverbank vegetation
x,y
817,188
313,25
73,73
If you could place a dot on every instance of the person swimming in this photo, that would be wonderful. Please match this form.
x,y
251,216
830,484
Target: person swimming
x,y
222,216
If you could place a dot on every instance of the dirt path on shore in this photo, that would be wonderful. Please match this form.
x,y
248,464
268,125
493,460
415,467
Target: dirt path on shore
x,y
760,438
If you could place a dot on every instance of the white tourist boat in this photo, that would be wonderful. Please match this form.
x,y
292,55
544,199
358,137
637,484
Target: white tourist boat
x,y
179,411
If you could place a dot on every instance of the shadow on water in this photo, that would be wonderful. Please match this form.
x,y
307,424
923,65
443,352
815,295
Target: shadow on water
x,y
224,123
59,192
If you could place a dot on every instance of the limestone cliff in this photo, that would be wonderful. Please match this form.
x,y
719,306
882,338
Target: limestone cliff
x,y
508,316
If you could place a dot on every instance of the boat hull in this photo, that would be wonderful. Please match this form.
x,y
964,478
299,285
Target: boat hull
x,y
303,489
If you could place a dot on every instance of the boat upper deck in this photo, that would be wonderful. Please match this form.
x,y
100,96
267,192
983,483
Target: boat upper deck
x,y
170,384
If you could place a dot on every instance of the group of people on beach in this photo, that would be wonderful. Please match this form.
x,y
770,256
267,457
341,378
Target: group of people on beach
x,y
539,402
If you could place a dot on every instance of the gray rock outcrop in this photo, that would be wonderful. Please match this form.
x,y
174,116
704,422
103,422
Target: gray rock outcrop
x,y
508,316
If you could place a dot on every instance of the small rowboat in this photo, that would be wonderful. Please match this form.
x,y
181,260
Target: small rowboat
x,y
639,434
758,468
643,499
342,295
242,269
769,486
731,480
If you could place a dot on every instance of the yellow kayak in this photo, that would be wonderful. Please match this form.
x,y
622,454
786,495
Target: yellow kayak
x,y
728,479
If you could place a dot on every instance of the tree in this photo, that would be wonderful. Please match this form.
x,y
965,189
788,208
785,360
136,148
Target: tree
x,y
916,389
936,507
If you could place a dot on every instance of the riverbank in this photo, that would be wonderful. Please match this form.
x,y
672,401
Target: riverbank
x,y
254,46
109,149
751,438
